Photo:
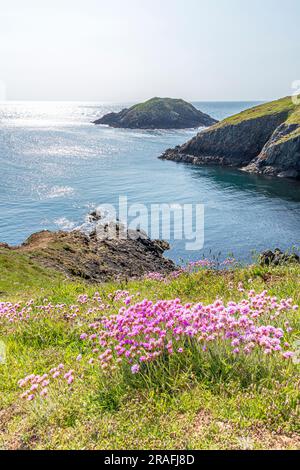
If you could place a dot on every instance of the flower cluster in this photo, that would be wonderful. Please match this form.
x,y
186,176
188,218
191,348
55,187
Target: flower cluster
x,y
202,263
145,332
37,385
142,333
15,312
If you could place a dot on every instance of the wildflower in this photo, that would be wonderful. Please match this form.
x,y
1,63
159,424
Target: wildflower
x,y
288,355
135,369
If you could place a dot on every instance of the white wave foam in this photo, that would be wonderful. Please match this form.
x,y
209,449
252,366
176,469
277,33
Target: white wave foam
x,y
64,223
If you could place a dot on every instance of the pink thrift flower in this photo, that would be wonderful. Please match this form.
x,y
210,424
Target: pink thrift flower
x,y
135,369
288,355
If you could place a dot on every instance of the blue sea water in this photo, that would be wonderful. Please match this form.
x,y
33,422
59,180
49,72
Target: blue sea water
x,y
55,167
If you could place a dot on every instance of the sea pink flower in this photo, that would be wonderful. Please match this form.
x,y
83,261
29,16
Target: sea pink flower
x,y
288,355
135,369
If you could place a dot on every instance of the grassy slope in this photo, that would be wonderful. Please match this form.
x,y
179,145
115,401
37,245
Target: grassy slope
x,y
20,274
284,105
231,406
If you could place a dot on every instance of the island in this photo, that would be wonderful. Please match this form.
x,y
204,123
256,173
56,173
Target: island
x,y
158,113
263,140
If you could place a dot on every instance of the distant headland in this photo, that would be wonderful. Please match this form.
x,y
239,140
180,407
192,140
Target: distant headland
x,y
158,113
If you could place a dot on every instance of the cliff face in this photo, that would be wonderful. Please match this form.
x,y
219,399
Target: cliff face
x,y
265,139
281,154
158,113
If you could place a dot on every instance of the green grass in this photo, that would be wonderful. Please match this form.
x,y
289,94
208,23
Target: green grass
x,y
158,103
20,274
222,404
292,135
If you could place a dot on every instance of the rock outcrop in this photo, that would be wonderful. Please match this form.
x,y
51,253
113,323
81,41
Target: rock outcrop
x,y
95,258
158,113
263,140
277,258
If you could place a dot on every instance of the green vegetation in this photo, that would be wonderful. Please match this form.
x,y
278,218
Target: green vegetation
x,y
158,113
22,276
241,404
284,106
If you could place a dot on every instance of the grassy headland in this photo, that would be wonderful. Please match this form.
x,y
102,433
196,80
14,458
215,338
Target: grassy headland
x,y
284,106
262,140
195,400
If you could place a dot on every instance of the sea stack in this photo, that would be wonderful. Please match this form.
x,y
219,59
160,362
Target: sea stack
x,y
263,140
158,113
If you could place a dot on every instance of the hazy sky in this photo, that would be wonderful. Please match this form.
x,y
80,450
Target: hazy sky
x,y
127,50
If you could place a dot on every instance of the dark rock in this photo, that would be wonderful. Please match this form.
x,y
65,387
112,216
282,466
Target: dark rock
x,y
100,256
281,154
277,258
95,216
158,113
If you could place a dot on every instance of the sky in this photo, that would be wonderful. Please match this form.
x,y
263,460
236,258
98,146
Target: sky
x,y
130,50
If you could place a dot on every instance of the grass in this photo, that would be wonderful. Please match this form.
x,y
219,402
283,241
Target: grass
x,y
285,106
225,404
20,274
292,135
158,103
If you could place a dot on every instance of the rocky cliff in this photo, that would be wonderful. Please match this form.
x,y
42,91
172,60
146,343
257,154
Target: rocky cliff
x,y
158,113
264,140
97,259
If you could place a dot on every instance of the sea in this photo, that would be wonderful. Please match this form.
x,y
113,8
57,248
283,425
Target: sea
x,y
56,167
